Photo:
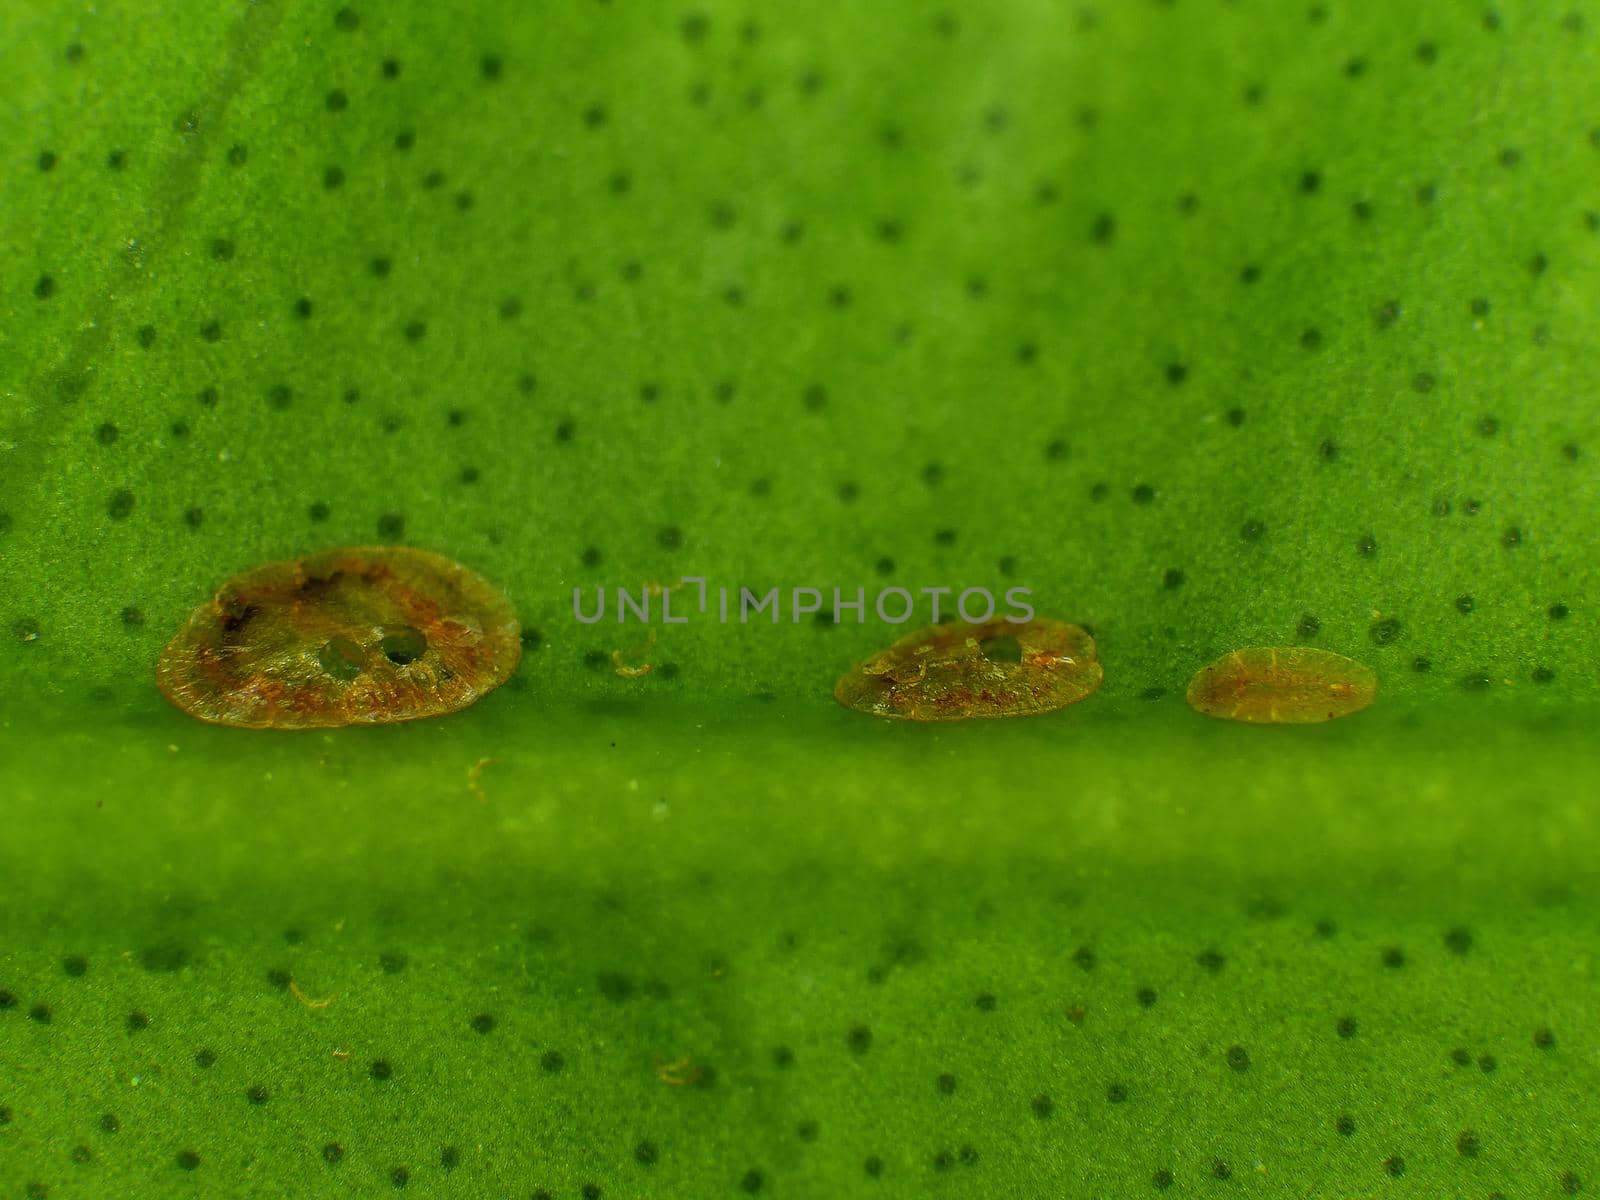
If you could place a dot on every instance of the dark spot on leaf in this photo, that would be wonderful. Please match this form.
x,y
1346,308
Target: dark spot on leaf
x,y
1385,631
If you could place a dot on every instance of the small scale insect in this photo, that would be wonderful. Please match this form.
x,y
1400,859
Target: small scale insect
x,y
956,671
627,670
679,1072
475,778
298,994
354,636
1288,685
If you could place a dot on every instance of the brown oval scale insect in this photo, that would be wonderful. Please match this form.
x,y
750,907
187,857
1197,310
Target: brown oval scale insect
x,y
1287,685
956,671
360,635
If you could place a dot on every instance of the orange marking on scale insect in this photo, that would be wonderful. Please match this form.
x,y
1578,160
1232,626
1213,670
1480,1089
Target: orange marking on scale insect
x,y
1289,685
957,671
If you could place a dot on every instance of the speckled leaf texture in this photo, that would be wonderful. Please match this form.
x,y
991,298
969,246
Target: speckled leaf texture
x,y
1216,324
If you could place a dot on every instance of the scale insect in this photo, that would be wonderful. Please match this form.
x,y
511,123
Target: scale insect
x,y
1284,685
353,636
958,671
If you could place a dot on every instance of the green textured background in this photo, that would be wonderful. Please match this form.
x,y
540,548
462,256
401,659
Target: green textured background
x,y
1200,319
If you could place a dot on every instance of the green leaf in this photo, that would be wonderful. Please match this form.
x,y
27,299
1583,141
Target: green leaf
x,y
1211,325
